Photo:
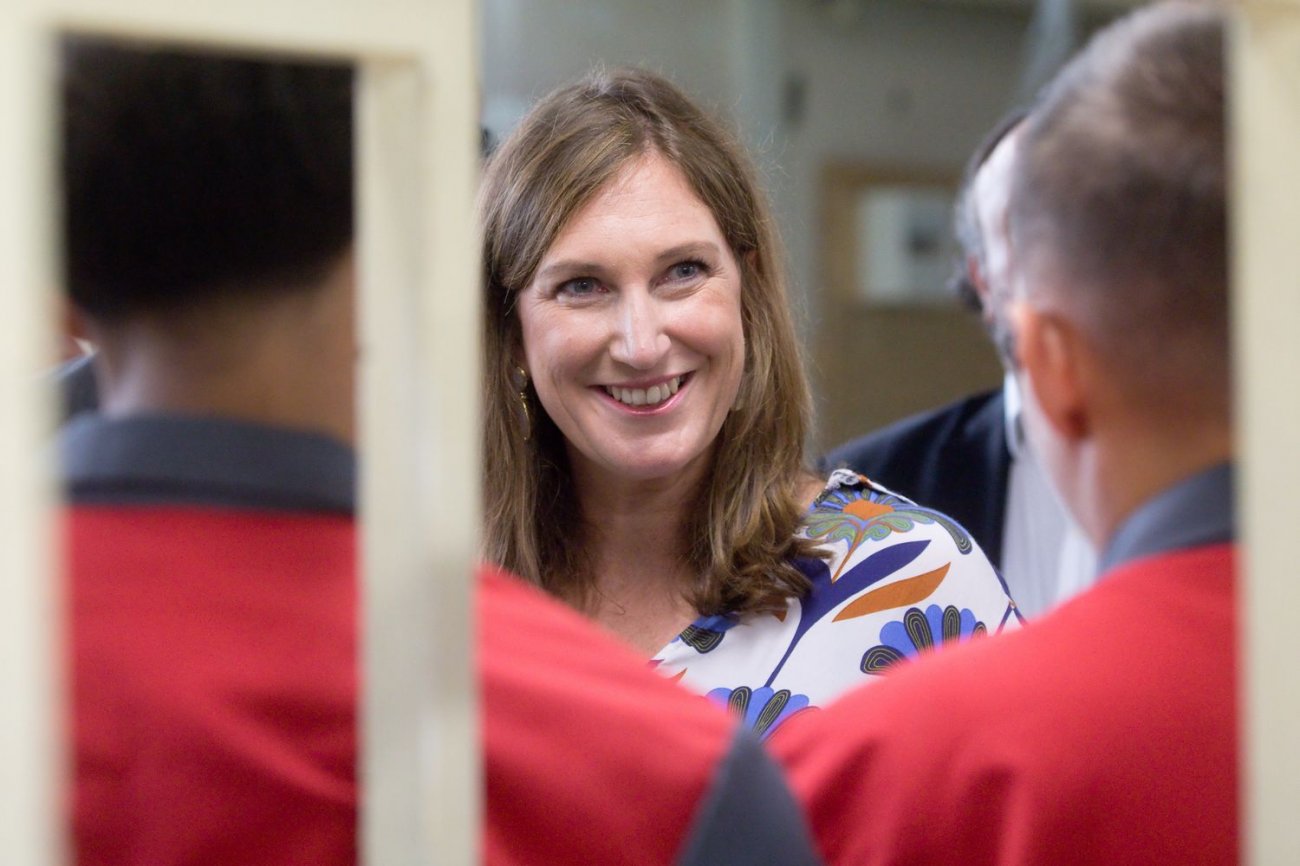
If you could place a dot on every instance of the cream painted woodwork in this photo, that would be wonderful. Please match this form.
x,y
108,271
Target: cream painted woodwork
x,y
418,165
1265,100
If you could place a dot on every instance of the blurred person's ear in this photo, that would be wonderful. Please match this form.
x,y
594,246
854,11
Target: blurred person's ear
x,y
74,337
979,283
1055,359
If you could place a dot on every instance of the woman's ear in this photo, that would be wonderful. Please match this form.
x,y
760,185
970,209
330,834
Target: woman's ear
x,y
518,358
1051,352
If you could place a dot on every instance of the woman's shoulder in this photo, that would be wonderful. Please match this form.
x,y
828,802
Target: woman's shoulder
x,y
847,479
893,580
884,552
851,507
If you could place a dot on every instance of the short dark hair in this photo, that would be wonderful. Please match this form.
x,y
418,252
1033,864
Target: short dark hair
x,y
1118,205
189,177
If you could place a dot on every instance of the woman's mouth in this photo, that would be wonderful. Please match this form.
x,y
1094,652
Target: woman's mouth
x,y
651,396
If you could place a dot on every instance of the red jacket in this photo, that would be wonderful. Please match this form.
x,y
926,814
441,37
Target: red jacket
x,y
1105,732
214,675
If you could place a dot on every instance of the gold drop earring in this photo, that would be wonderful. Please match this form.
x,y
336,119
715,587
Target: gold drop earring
x,y
524,417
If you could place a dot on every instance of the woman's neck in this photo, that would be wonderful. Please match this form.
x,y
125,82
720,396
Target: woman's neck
x,y
638,545
638,605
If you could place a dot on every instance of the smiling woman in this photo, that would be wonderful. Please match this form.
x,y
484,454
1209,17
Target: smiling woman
x,y
631,331
646,412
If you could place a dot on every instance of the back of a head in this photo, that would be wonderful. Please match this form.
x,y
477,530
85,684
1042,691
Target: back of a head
x,y
193,177
1118,212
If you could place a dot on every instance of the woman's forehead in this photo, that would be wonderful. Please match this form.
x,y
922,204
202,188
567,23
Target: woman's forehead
x,y
649,200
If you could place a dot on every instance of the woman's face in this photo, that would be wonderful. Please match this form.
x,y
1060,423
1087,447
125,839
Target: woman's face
x,y
632,328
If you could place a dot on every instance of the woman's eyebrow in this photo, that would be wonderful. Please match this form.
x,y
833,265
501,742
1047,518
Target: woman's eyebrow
x,y
569,266
687,250
585,266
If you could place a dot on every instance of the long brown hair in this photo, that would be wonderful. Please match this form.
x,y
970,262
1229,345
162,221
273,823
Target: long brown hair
x,y
742,531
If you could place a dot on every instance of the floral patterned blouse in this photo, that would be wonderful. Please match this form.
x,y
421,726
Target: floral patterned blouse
x,y
901,580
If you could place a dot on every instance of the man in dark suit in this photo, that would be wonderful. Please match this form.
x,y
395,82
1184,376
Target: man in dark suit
x,y
969,459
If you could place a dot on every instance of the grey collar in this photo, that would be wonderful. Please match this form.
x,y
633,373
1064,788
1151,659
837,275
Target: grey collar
x,y
170,459
1196,511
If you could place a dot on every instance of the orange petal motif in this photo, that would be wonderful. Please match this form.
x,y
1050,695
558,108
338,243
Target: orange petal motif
x,y
865,509
900,594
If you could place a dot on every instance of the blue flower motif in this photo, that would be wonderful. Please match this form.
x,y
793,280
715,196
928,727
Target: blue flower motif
x,y
707,632
761,709
918,632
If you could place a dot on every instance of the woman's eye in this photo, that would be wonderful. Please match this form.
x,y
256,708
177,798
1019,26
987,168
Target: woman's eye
x,y
580,287
683,271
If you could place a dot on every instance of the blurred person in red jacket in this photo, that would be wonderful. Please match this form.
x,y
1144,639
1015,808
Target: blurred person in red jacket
x,y
211,539
1106,732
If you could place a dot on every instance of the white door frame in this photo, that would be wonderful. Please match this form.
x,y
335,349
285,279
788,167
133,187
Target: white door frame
x,y
1264,96
417,170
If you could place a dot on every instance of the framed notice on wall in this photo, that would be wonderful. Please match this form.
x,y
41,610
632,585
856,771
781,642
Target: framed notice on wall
x,y
890,339
904,243
887,234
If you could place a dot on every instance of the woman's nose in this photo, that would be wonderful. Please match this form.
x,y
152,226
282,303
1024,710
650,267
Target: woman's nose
x,y
639,340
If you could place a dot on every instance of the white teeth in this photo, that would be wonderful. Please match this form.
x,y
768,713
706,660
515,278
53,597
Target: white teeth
x,y
645,396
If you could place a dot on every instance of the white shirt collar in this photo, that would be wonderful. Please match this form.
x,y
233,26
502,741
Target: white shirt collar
x,y
1012,406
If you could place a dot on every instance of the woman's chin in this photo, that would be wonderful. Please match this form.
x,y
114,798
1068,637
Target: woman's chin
x,y
649,468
